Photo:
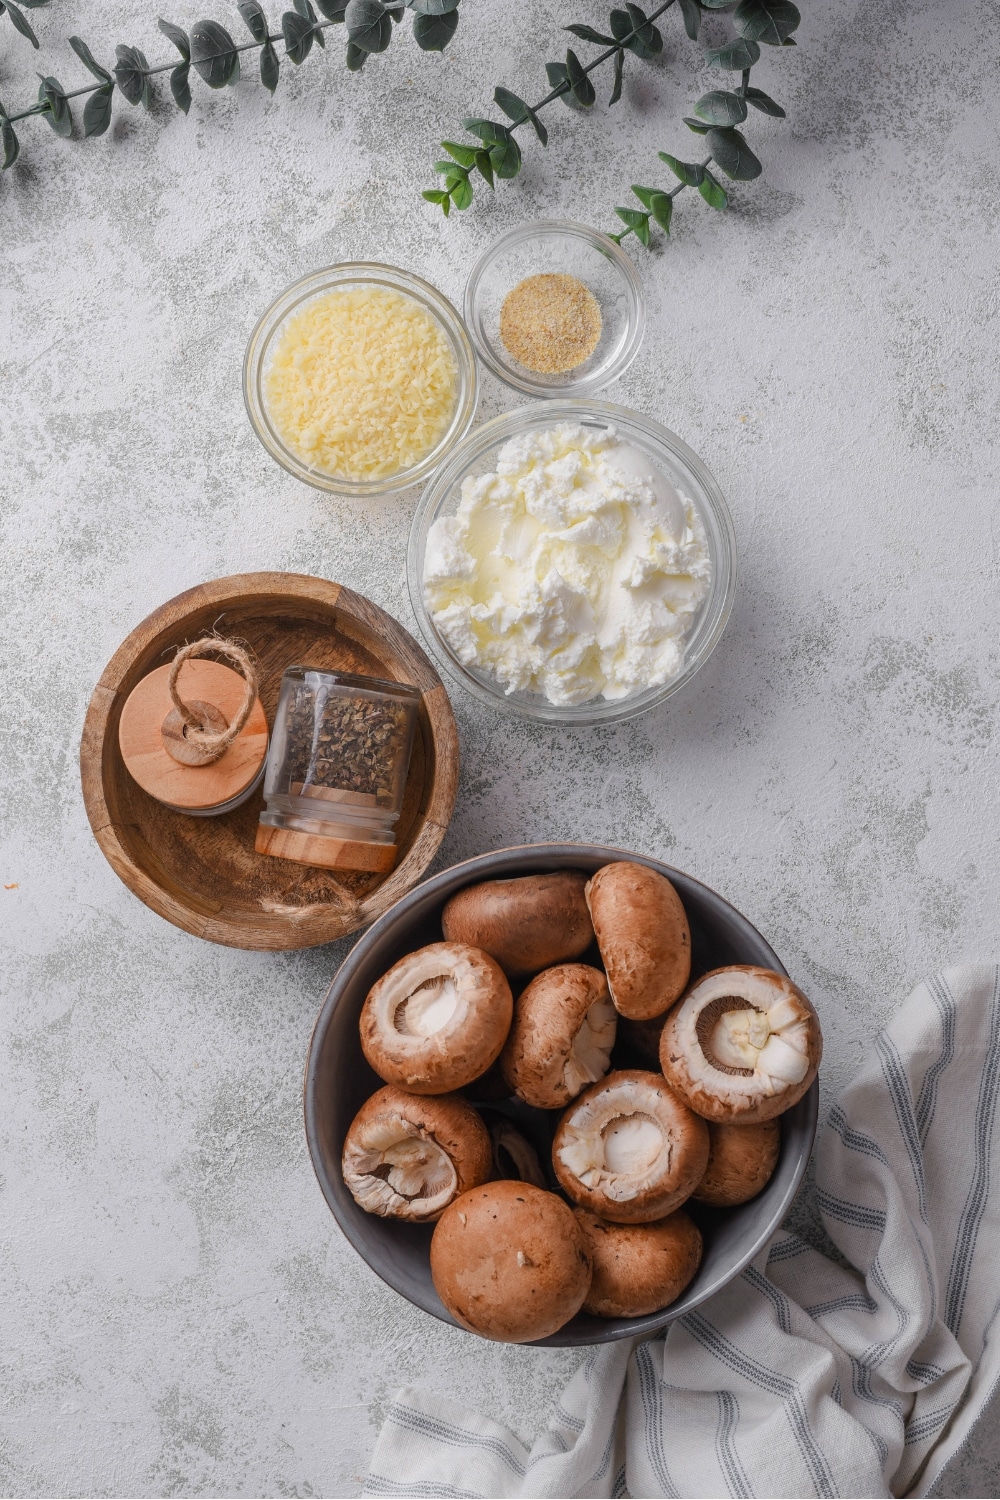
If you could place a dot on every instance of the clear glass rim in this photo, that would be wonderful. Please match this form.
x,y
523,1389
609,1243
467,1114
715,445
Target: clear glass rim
x,y
325,279
598,379
708,497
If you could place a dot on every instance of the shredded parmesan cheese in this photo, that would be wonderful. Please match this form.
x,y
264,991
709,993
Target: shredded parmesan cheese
x,y
362,383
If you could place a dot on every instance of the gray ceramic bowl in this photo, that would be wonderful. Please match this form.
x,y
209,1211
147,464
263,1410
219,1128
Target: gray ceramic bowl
x,y
338,1080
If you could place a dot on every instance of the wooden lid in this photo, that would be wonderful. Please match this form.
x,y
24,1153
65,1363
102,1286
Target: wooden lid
x,y
192,787
326,852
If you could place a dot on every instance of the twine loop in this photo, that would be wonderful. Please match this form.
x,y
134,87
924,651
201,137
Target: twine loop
x,y
200,727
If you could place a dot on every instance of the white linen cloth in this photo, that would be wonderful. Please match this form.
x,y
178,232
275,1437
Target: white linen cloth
x,y
803,1376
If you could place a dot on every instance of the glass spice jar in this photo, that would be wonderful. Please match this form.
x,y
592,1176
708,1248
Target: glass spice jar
x,y
336,769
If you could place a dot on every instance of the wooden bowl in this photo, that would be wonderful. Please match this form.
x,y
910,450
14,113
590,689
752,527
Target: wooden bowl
x,y
202,874
338,1080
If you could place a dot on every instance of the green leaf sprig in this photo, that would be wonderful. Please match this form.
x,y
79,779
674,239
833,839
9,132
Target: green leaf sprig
x,y
717,115
494,152
18,19
214,55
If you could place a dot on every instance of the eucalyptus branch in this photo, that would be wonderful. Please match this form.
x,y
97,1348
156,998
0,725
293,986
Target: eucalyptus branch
x,y
215,56
18,19
718,113
497,153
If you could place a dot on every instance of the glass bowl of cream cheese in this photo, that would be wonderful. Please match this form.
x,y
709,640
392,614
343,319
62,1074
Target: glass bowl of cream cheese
x,y
572,561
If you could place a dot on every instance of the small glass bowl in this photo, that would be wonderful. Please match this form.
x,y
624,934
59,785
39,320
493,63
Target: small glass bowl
x,y
352,273
558,245
477,454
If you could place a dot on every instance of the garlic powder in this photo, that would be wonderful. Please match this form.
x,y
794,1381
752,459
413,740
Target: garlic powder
x,y
576,570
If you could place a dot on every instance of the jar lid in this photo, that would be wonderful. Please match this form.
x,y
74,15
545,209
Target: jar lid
x,y
328,852
191,788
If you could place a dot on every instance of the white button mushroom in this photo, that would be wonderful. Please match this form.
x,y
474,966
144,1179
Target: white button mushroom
x,y
510,1262
639,1268
526,924
561,1037
407,1156
643,934
742,1046
437,1019
629,1149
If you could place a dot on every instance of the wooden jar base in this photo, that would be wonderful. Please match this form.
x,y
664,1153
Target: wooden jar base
x,y
327,853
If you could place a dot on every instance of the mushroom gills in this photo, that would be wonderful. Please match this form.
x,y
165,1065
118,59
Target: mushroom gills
x,y
514,1157
396,1161
428,1008
590,1054
622,1158
739,1038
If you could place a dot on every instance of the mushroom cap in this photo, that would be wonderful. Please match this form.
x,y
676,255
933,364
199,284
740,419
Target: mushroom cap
x,y
407,1156
437,1019
561,1037
639,1268
510,1262
629,1149
741,1160
742,1046
514,1157
526,924
643,934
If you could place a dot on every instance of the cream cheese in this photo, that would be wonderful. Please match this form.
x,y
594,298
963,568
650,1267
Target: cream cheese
x,y
575,570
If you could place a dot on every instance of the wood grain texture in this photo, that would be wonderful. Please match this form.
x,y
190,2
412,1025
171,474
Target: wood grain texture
x,y
204,874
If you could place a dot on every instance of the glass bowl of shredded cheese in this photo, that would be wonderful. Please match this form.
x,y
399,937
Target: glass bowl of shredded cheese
x,y
573,562
360,378
555,309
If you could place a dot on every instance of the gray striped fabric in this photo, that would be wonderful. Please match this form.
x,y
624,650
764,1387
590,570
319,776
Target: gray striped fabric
x,y
803,1377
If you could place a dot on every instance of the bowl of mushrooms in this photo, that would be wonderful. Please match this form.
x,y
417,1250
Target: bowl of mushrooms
x,y
561,1094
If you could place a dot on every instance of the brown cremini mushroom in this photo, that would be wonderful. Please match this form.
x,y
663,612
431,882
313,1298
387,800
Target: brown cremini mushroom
x,y
408,1157
514,1156
629,1149
510,1262
643,934
438,1019
526,924
561,1036
639,1268
741,1161
742,1046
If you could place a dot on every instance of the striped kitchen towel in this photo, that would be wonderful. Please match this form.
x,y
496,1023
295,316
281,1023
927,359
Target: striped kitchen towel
x,y
804,1376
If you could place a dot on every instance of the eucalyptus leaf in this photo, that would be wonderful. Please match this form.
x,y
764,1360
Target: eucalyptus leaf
x,y
432,7
180,38
721,107
715,4
734,56
85,55
484,166
304,9
581,85
649,34
616,89
691,11
269,66
588,34
332,10
698,126
20,22
432,34
764,103
464,155
214,54
731,152
59,116
255,19
461,192
298,35
558,75
505,154
356,57
662,208
97,110
713,192
623,25
130,74
10,143
691,173
769,21
180,86
369,25
636,221
518,111
434,195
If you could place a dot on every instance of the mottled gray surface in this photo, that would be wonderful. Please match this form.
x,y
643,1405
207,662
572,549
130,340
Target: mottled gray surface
x,y
180,1314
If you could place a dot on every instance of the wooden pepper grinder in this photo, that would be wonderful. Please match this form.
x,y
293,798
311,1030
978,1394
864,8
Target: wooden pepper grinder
x,y
202,753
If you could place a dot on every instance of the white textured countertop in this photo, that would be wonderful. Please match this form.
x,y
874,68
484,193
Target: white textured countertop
x,y
180,1313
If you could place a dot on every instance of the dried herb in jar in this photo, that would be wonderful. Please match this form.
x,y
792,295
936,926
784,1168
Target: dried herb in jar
x,y
345,741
